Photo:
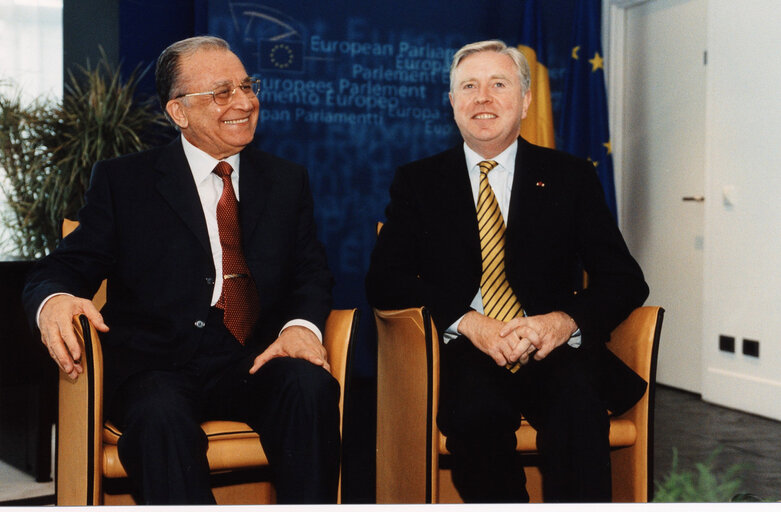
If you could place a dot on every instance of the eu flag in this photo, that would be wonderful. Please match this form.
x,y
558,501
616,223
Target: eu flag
x,y
583,127
537,128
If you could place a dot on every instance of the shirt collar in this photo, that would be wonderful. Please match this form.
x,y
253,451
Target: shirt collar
x,y
505,160
202,164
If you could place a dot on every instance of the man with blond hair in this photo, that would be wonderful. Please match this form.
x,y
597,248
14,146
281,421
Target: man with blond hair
x,y
491,237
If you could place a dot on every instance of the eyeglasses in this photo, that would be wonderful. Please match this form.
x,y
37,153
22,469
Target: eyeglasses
x,y
223,94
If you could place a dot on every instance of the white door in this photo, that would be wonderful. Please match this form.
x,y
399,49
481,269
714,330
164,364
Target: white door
x,y
663,167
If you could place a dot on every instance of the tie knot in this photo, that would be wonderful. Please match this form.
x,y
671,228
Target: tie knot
x,y
223,169
485,165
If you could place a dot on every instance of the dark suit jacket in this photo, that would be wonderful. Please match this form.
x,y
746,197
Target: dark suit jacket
x,y
143,228
428,252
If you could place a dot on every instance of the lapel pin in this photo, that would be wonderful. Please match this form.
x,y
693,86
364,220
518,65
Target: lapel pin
x,y
541,184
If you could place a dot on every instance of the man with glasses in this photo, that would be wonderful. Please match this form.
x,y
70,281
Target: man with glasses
x,y
218,291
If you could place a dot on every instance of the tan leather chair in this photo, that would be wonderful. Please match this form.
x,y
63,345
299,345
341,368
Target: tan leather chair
x,y
409,444
89,471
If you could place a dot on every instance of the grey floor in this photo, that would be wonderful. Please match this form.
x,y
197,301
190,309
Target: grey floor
x,y
695,428
682,420
20,488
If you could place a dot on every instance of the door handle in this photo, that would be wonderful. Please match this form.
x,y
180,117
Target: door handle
x,y
696,199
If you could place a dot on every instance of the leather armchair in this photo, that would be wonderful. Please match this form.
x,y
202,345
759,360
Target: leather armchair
x,y
88,470
410,446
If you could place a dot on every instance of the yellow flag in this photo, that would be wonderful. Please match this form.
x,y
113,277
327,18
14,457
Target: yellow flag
x,y
537,128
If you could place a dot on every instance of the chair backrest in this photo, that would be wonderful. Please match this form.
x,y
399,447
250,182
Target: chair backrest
x,y
68,226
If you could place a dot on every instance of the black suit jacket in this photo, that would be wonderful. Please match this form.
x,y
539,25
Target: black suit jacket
x,y
428,252
143,229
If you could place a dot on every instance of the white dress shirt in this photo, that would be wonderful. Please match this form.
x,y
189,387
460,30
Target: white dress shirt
x,y
209,187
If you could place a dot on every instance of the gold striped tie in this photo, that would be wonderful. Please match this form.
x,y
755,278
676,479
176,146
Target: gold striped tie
x,y
499,300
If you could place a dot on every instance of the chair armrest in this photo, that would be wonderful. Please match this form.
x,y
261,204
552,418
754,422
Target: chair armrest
x,y
79,440
407,401
636,342
340,331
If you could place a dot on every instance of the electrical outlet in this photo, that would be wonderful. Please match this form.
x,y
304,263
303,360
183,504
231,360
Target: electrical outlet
x,y
751,348
726,343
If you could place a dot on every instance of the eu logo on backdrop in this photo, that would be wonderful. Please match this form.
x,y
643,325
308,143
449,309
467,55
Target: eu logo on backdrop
x,y
281,56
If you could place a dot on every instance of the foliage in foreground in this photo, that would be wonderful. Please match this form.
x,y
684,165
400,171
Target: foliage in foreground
x,y
703,484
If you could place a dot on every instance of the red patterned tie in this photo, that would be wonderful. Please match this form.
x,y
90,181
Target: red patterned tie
x,y
239,299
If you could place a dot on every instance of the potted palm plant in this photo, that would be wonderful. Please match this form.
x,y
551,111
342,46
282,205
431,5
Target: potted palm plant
x,y
47,149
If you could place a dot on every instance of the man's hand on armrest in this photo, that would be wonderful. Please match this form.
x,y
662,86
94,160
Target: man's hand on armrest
x,y
56,324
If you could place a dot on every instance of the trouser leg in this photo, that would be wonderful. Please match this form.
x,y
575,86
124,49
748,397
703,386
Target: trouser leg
x,y
294,407
573,428
479,415
162,447
487,469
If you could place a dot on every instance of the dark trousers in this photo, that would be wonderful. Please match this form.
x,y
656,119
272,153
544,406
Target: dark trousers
x,y
480,409
292,404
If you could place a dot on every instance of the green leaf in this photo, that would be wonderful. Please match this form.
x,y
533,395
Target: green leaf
x,y
704,484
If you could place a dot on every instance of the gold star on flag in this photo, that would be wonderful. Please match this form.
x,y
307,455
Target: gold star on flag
x,y
597,62
593,162
608,146
575,52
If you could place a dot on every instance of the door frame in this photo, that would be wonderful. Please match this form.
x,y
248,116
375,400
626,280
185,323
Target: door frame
x,y
614,32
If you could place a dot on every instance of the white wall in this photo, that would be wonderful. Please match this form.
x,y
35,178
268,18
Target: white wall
x,y
742,294
30,61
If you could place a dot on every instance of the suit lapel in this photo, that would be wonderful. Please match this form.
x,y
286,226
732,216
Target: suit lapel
x,y
529,178
523,169
177,187
255,184
453,178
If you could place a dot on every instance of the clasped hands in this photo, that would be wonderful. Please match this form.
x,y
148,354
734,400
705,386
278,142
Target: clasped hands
x,y
57,334
519,339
